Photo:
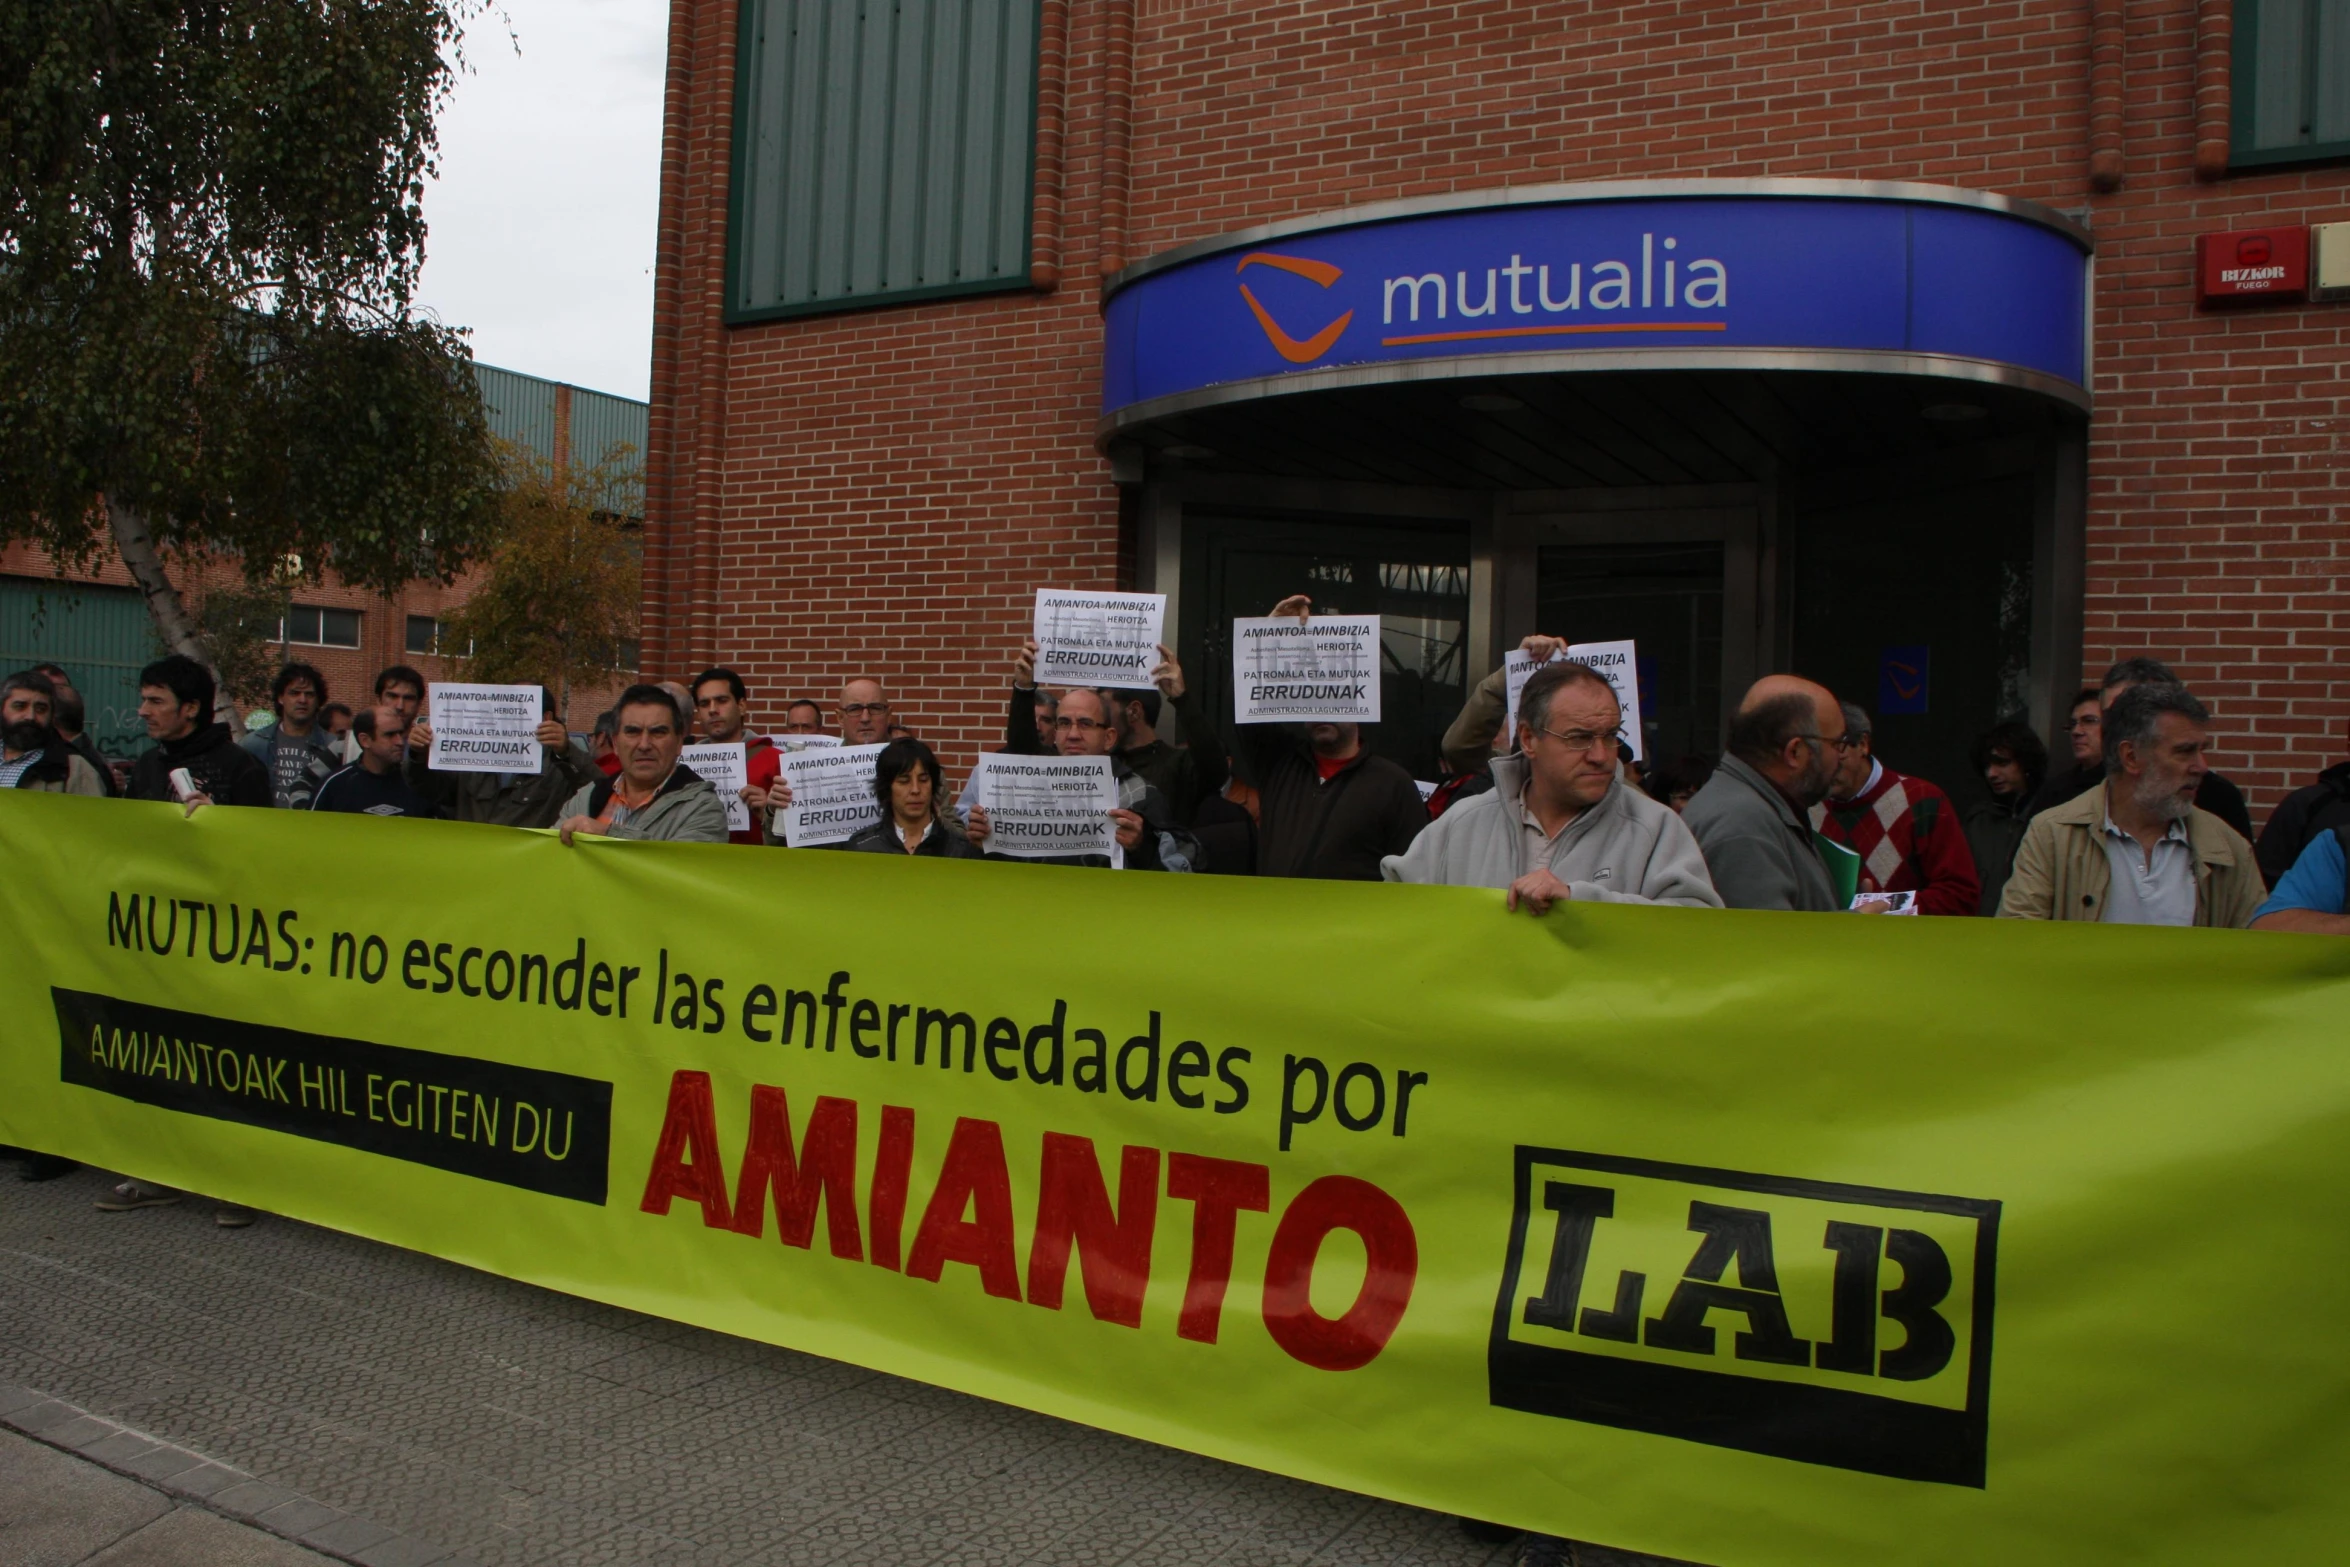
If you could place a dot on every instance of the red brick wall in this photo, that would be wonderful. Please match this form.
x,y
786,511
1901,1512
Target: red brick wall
x,y
882,491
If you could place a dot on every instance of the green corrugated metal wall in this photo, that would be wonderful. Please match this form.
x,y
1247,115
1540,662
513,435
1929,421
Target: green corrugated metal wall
x,y
884,151
600,423
102,636
521,407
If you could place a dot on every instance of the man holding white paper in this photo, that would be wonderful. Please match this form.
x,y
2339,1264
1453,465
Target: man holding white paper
x,y
1327,808
1144,830
525,796
1490,717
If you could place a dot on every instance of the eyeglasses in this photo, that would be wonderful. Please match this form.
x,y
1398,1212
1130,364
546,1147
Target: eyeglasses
x,y
1079,724
1843,742
860,709
1584,739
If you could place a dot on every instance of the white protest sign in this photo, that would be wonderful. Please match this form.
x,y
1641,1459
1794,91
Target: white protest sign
x,y
1098,639
1616,660
1047,805
832,795
1324,669
791,745
722,762
485,729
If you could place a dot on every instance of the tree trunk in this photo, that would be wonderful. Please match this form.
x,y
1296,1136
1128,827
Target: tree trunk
x,y
136,544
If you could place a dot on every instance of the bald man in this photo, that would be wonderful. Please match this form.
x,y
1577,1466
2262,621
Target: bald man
x,y
864,712
1751,818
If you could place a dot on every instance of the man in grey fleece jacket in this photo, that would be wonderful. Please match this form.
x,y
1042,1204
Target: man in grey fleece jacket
x,y
1750,818
656,796
1559,822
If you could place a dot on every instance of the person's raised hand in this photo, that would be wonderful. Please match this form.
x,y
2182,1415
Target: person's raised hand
x,y
192,803
753,796
1129,828
778,794
553,734
1537,890
1024,666
578,824
1542,649
419,735
1168,677
1299,604
975,827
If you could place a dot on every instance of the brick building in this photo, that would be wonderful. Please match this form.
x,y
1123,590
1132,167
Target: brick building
x,y
960,300
96,625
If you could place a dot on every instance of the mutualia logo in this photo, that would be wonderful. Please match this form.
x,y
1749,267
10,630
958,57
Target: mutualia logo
x,y
1297,351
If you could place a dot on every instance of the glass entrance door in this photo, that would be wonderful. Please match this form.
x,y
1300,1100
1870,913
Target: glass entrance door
x,y
1667,599
1416,579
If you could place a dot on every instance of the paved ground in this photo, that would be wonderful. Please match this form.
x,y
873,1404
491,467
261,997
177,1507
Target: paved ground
x,y
430,1409
57,1510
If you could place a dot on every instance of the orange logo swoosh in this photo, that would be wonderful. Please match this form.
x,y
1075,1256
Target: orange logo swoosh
x,y
1292,349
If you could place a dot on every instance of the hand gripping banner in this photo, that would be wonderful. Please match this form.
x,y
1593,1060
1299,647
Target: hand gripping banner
x,y
1748,1239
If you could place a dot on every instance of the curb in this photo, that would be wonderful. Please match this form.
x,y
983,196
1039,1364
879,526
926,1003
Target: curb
x,y
191,1477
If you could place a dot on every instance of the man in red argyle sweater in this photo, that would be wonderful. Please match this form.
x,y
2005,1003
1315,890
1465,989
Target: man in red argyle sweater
x,y
1908,836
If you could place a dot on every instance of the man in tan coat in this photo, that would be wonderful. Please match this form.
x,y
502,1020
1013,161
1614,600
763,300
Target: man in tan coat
x,y
2135,850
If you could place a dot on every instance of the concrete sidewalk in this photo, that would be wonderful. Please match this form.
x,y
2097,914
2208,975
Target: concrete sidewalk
x,y
448,1413
57,1510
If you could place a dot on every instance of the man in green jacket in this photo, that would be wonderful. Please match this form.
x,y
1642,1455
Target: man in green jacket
x,y
655,796
2135,850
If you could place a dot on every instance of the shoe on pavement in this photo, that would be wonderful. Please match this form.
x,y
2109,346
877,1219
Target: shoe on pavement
x,y
45,1167
130,1194
231,1217
1485,1533
1544,1550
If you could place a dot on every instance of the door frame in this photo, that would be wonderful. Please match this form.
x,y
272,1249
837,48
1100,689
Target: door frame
x,y
1739,517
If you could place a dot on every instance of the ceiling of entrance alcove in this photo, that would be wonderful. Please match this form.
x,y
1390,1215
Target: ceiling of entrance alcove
x,y
1576,431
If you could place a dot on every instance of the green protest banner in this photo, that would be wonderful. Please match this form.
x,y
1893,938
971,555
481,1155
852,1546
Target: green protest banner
x,y
1741,1238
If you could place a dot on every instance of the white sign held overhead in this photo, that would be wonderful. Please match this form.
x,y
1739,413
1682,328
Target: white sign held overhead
x,y
1039,806
792,745
1098,639
1325,669
1618,661
832,797
485,729
723,763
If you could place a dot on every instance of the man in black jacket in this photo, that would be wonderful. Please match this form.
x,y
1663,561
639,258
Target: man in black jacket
x,y
1327,808
2302,817
175,703
2215,794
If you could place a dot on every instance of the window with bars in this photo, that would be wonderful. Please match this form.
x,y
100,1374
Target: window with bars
x,y
2292,82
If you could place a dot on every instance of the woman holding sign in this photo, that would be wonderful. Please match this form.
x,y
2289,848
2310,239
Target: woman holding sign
x,y
913,820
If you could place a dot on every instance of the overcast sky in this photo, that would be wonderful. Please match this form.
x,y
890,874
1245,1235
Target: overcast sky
x,y
541,224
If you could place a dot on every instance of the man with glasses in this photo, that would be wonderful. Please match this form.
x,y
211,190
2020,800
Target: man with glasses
x,y
864,712
1751,818
1084,724
1904,830
1560,821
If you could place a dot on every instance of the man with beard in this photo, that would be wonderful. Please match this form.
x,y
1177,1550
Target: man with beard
x,y
1751,818
2137,850
293,746
722,703
32,756
175,703
70,718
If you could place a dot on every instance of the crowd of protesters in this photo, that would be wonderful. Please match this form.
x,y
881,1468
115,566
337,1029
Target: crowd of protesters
x,y
1798,813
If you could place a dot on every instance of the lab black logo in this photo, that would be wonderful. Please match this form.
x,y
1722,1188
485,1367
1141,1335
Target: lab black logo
x,y
1829,1324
